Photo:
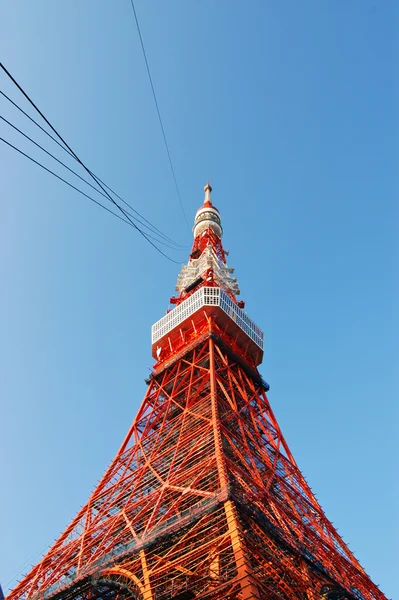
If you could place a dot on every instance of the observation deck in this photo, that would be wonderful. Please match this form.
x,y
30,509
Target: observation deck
x,y
207,303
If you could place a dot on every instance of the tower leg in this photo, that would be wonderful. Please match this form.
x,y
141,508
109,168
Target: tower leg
x,y
249,589
148,595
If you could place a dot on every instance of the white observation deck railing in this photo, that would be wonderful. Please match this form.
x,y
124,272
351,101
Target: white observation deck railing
x,y
207,296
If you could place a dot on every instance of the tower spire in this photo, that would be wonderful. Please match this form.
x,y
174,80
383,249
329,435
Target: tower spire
x,y
207,263
207,190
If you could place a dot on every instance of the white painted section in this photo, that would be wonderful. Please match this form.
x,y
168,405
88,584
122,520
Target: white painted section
x,y
207,296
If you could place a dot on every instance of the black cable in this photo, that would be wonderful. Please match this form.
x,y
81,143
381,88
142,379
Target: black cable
x,y
83,165
159,113
82,179
64,180
84,194
154,228
36,123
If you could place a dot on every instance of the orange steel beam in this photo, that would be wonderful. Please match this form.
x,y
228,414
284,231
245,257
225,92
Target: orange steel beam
x,y
147,591
249,589
215,421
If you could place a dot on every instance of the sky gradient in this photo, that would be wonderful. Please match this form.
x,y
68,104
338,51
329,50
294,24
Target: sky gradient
x,y
290,109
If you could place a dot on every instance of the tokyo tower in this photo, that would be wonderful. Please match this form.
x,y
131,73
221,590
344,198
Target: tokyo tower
x,y
204,498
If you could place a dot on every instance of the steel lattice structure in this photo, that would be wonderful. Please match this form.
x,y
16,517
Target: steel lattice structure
x,y
204,498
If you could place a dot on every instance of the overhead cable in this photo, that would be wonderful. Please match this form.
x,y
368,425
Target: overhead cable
x,y
159,112
61,179
161,241
151,225
128,222
84,166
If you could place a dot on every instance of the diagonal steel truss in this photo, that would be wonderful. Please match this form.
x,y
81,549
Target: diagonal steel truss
x,y
203,500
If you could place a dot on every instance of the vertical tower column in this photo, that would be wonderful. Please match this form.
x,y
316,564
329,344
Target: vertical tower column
x,y
248,585
247,582
147,594
223,480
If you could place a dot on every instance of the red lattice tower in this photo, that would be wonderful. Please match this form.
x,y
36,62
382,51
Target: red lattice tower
x,y
204,498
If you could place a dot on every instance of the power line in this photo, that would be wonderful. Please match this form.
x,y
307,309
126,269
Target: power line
x,y
86,196
78,159
83,165
159,112
128,222
63,180
36,123
84,180
154,228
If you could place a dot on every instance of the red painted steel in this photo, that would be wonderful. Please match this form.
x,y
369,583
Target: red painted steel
x,y
204,498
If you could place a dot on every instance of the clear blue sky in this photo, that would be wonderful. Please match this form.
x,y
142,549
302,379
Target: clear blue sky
x,y
290,109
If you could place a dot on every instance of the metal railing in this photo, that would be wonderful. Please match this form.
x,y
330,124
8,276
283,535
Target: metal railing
x,y
207,296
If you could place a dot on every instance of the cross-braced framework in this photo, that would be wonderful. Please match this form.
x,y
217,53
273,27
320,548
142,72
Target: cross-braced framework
x,y
204,499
